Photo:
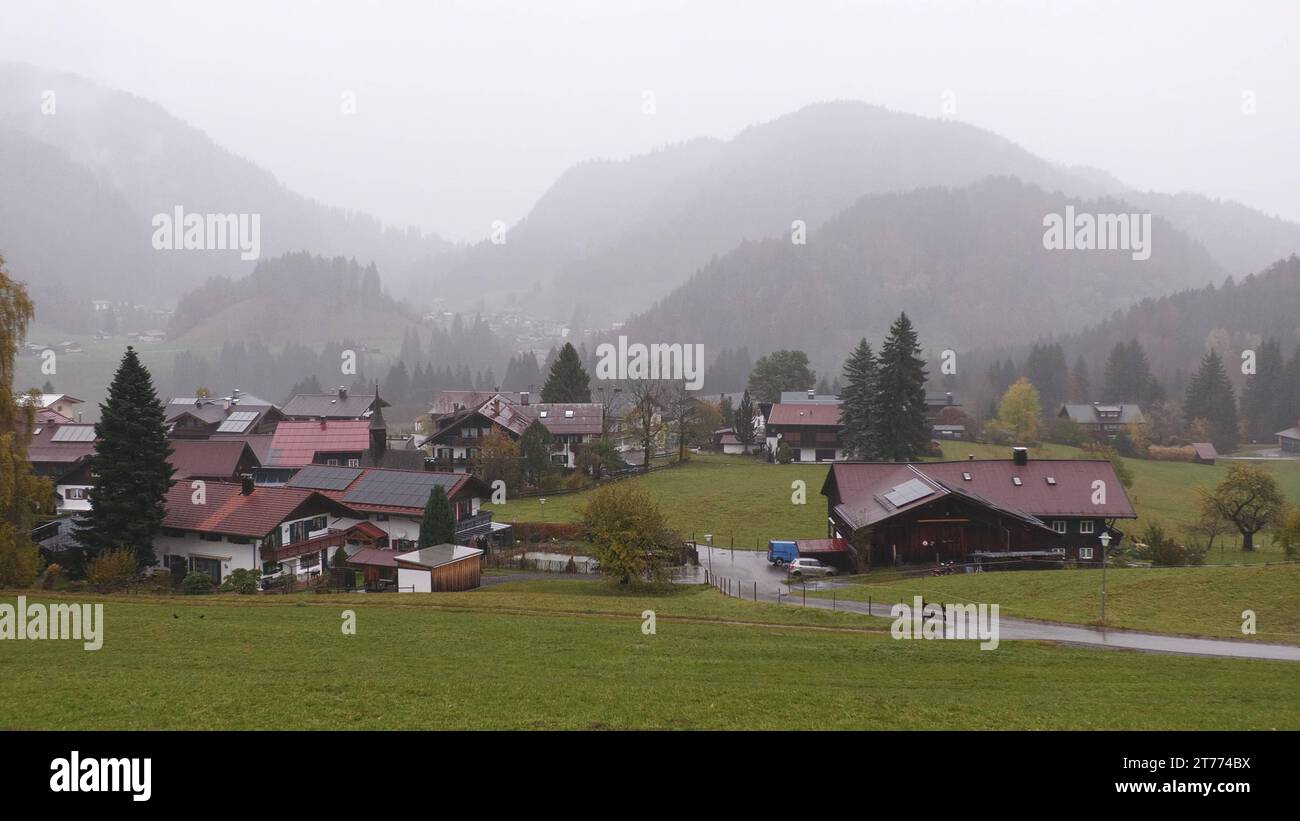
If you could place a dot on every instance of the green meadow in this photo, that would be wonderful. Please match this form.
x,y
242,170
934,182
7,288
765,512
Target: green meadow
x,y
573,655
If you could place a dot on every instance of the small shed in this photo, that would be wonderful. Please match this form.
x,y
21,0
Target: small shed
x,y
1205,453
442,568
378,566
833,552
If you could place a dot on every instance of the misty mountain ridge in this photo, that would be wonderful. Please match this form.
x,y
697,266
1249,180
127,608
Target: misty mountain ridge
x,y
610,237
968,265
146,161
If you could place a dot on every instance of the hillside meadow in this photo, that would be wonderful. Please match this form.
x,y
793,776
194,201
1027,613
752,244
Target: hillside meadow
x,y
573,655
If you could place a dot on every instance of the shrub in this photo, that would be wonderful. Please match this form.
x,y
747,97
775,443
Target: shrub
x,y
1163,550
196,583
783,453
1288,535
1171,454
52,578
111,570
242,581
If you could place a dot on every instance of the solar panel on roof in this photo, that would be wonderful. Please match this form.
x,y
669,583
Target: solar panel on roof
x,y
82,433
237,422
324,477
397,488
908,492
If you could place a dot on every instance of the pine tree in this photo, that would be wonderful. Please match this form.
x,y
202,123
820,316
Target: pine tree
x,y
1210,397
859,405
1079,388
568,380
1262,386
535,451
439,524
128,503
744,423
904,436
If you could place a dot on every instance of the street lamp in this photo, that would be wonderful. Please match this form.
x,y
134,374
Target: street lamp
x,y
1105,552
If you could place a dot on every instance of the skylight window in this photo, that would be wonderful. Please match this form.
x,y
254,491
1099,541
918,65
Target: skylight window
x,y
542,414
1051,480
1015,480
568,414
966,477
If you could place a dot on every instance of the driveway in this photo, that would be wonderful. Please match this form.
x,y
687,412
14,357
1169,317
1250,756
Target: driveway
x,y
753,577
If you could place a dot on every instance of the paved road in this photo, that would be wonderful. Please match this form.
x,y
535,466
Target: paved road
x,y
753,575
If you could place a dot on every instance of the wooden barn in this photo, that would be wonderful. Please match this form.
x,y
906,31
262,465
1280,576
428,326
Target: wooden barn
x,y
444,568
895,513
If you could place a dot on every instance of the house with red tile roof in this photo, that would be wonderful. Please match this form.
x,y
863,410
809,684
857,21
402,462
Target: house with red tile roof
x,y
394,500
459,434
219,527
810,429
222,460
977,510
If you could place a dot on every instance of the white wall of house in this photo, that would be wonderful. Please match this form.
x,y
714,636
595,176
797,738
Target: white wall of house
x,y
67,503
734,450
421,580
231,556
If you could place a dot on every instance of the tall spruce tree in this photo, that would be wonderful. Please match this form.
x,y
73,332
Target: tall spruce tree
x,y
1210,397
860,406
1079,388
744,421
568,380
133,474
1262,386
439,524
903,433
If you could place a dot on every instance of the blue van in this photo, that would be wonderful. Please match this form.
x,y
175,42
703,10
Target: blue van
x,y
780,552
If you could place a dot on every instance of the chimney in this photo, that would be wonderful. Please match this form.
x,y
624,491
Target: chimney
x,y
343,392
322,423
235,395
970,457
246,484
949,396
523,397
1020,456
812,392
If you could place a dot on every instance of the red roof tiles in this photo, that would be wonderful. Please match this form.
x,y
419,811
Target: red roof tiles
x,y
296,444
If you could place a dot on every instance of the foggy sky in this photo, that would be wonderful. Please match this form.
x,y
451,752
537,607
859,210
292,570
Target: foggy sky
x,y
466,112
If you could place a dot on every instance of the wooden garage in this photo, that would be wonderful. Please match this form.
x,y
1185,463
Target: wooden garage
x,y
444,568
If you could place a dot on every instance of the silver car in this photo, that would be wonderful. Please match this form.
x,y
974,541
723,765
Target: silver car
x,y
810,567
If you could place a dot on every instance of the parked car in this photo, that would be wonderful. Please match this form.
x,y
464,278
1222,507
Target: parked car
x,y
781,552
810,567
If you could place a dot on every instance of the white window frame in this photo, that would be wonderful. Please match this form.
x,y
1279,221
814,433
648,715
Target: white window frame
x,y
1060,526
1087,526
1085,553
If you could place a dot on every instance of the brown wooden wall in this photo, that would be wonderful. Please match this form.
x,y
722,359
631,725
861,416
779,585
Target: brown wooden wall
x,y
461,575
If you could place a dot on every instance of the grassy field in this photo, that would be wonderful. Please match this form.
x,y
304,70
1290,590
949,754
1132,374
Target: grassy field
x,y
1203,601
734,496
573,655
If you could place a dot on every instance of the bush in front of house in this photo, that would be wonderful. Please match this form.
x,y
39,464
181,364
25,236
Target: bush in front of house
x,y
112,570
783,453
1162,550
196,583
242,581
